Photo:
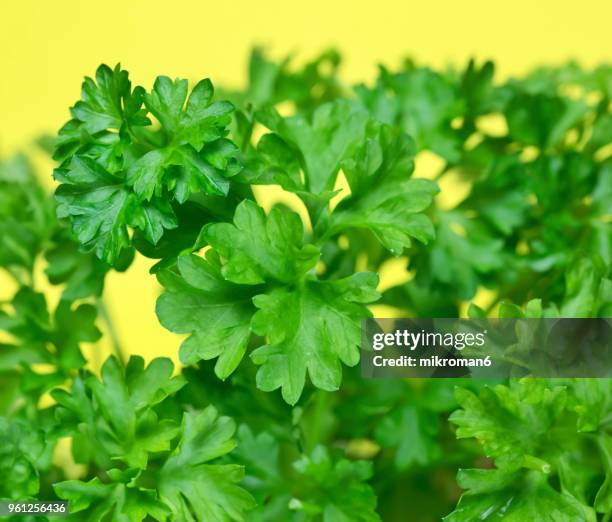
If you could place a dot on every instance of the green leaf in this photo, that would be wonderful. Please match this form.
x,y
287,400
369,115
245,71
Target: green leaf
x,y
383,198
184,170
542,119
320,329
127,427
479,91
166,102
146,174
587,289
43,338
196,489
461,256
101,208
273,163
322,143
538,434
215,311
82,274
108,102
260,455
500,194
201,121
26,216
591,401
212,300
186,485
420,102
122,502
532,229
195,157
259,247
514,497
413,431
338,491
198,175
119,172
603,499
517,422
23,452
98,205
307,87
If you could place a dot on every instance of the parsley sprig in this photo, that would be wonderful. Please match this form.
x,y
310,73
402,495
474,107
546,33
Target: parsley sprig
x,y
270,297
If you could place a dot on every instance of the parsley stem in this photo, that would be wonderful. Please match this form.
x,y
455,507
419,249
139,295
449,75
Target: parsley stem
x,y
112,332
19,279
493,304
313,431
442,171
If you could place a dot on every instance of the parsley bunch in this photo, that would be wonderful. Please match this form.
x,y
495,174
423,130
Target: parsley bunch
x,y
271,296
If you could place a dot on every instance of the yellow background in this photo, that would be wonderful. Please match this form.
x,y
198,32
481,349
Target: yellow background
x,y
47,46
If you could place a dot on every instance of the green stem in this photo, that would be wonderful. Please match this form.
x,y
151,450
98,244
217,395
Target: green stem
x,y
606,420
442,171
495,302
112,332
312,429
18,279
